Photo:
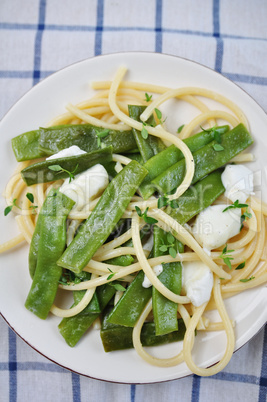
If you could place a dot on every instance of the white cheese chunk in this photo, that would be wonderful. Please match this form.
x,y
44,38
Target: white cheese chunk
x,y
157,270
86,186
149,243
197,282
238,182
213,227
71,151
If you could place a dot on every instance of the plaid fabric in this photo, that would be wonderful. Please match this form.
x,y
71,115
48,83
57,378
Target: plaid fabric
x,y
38,37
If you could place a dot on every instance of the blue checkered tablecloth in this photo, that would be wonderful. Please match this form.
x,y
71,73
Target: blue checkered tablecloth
x,y
38,37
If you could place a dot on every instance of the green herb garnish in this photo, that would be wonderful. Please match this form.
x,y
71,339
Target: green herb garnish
x,y
148,97
144,132
9,207
226,257
218,147
247,279
101,134
241,266
180,128
111,275
236,205
245,215
164,202
170,246
147,219
60,169
117,286
30,197
159,115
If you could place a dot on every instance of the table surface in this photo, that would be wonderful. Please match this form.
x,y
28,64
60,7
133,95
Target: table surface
x,y
38,37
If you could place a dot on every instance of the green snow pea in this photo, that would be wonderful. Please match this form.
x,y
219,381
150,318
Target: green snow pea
x,y
52,240
118,337
73,328
48,141
207,159
151,145
40,172
26,146
159,163
198,197
103,218
165,310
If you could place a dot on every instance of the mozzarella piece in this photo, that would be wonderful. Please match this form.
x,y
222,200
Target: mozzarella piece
x,y
157,270
238,182
71,151
213,227
197,282
148,245
86,186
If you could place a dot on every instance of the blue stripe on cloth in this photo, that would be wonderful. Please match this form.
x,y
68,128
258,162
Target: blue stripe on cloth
x,y
240,378
15,74
38,42
88,28
247,79
133,389
99,27
263,379
216,34
76,387
158,26
195,388
12,357
35,366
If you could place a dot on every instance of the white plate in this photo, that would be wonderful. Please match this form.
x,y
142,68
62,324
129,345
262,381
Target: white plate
x,y
36,108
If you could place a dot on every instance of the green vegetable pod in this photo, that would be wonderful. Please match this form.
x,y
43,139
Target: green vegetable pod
x,y
207,159
198,197
118,337
40,172
128,309
149,146
52,240
73,328
164,310
26,146
48,141
159,163
103,218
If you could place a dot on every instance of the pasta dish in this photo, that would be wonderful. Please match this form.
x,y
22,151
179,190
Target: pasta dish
x,y
148,229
